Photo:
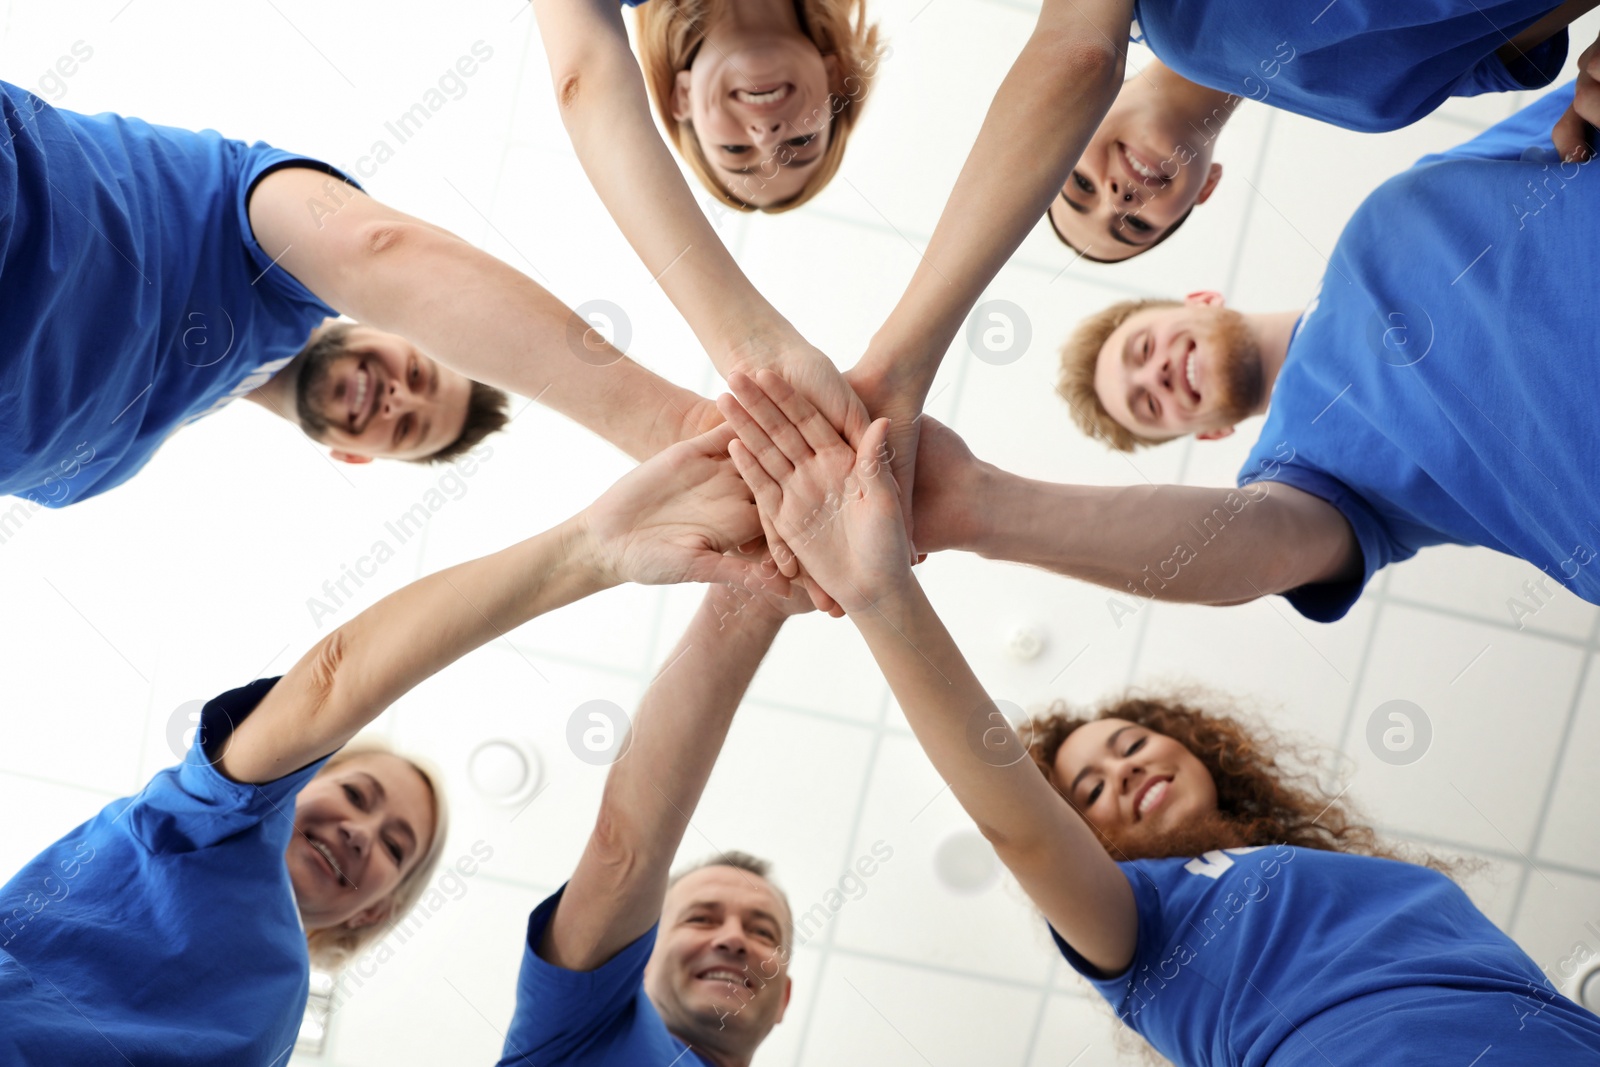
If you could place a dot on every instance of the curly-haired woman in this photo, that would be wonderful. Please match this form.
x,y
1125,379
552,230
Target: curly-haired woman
x,y
1229,913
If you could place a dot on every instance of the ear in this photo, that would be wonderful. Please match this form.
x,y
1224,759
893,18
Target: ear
x,y
680,96
1214,435
348,457
1213,176
830,63
1206,297
788,991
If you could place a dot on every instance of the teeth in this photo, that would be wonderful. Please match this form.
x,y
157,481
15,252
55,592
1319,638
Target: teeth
x,y
1189,373
770,97
1139,168
1152,797
725,976
363,379
327,855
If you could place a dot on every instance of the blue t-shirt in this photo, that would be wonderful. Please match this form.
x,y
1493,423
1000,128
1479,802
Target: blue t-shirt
x,y
133,295
164,929
1370,65
1293,957
1439,388
598,1018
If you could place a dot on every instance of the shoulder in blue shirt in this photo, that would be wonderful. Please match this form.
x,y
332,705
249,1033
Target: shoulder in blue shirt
x,y
1431,392
164,929
1370,65
598,1018
136,297
1293,957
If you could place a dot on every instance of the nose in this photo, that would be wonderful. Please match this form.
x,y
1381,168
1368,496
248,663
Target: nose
x,y
357,837
766,134
730,938
398,398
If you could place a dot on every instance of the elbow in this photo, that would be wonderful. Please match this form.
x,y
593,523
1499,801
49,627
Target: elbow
x,y
320,682
1075,61
613,846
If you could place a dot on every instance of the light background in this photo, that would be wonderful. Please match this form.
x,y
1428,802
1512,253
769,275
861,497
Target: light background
x,y
195,577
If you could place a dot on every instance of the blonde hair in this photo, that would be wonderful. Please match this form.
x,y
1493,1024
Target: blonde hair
x,y
671,33
332,947
1079,357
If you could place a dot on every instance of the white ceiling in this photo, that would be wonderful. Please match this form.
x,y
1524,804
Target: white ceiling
x,y
194,577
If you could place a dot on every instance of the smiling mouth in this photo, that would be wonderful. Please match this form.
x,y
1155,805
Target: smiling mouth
x,y
327,857
1151,797
733,979
1191,376
1147,173
362,393
764,97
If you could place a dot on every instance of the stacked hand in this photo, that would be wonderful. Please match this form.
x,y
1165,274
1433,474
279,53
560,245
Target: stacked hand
x,y
836,506
1572,131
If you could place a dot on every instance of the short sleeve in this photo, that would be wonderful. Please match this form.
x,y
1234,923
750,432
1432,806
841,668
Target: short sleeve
x,y
194,805
1534,69
1330,601
560,1012
1515,138
1152,934
261,159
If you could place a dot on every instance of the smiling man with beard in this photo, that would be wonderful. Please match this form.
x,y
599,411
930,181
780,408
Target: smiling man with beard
x,y
153,275
626,965
1435,390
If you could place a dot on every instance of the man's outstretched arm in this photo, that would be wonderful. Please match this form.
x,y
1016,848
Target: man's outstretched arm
x,y
465,308
615,895
1197,544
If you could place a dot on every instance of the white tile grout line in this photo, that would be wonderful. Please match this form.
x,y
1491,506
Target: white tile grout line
x,y
852,840
1554,777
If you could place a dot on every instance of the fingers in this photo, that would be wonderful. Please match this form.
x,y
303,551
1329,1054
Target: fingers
x,y
1571,135
739,573
754,438
812,424
778,426
769,497
820,597
714,442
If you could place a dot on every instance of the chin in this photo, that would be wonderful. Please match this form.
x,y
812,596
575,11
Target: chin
x,y
1180,834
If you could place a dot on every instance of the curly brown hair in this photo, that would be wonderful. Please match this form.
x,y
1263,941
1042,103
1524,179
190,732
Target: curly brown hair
x,y
1261,798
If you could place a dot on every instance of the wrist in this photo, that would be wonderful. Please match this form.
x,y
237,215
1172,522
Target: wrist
x,y
754,344
582,554
743,611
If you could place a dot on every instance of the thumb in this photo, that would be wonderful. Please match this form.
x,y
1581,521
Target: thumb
x,y
1571,136
718,569
872,464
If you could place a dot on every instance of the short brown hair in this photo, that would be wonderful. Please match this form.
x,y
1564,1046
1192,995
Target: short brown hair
x,y
1079,357
487,413
672,31
744,861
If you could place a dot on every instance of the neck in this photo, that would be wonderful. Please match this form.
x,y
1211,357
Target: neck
x,y
277,395
1202,110
718,1057
1271,331
755,18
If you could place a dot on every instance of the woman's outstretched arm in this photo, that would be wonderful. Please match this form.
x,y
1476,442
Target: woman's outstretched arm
x,y
839,511
669,520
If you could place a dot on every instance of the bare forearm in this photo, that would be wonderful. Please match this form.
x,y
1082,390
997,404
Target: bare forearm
x,y
348,679
606,111
654,789
487,320
1040,121
1183,543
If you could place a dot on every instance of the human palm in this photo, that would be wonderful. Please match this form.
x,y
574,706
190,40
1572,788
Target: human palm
x,y
674,517
835,505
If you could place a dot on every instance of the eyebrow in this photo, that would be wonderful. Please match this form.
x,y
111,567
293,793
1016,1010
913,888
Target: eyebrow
x,y
403,826
1116,235
1127,361
1110,744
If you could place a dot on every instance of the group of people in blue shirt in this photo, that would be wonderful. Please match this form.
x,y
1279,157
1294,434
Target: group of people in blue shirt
x,y
1433,391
